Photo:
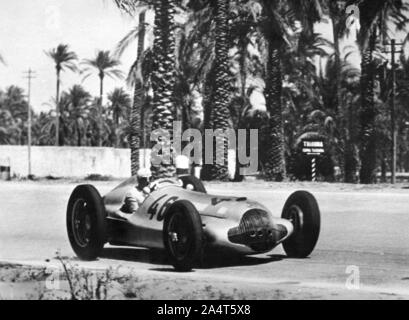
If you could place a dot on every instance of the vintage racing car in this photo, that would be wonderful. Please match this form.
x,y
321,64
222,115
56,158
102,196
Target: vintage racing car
x,y
180,217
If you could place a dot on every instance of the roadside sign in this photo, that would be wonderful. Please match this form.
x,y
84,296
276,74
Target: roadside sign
x,y
313,148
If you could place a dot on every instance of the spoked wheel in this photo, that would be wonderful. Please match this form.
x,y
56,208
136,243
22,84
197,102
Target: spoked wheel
x,y
302,210
86,224
81,223
183,234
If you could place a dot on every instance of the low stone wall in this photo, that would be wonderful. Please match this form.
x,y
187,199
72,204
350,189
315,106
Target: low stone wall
x,y
66,161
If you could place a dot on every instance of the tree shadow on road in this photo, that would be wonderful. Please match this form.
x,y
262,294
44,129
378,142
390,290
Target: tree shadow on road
x,y
220,261
211,260
156,257
216,260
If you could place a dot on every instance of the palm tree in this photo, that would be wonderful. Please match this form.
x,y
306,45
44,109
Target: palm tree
x,y
163,77
63,59
344,146
79,112
196,66
244,36
7,124
105,65
120,105
163,70
219,114
14,105
39,122
199,62
376,16
336,10
279,16
130,6
140,87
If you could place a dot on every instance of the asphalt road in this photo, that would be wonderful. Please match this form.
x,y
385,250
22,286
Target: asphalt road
x,y
364,232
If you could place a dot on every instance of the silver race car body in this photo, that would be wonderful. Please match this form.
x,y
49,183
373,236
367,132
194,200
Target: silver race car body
x,y
229,223
179,216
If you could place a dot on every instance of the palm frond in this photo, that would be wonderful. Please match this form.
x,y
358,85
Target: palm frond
x,y
115,74
104,64
132,6
63,57
132,36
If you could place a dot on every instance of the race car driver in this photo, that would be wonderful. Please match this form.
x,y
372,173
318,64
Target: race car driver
x,y
136,196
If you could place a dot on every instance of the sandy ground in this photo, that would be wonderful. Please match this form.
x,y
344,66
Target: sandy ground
x,y
364,236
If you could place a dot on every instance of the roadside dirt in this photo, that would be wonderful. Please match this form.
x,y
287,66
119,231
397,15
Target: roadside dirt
x,y
24,282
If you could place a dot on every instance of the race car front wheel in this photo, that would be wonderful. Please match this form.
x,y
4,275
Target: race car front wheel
x,y
183,235
86,225
302,210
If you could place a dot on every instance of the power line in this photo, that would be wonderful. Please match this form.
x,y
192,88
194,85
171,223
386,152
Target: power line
x,y
29,75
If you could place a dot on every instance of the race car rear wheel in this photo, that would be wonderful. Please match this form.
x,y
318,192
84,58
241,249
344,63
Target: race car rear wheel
x,y
302,210
86,225
195,183
183,235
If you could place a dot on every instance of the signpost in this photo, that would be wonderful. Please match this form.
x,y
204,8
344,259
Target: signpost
x,y
313,149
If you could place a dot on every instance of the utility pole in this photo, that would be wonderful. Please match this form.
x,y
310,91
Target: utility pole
x,y
393,52
29,75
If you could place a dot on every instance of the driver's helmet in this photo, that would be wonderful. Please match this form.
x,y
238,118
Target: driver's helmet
x,y
182,165
144,176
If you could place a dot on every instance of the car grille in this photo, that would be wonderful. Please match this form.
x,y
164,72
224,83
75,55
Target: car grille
x,y
256,230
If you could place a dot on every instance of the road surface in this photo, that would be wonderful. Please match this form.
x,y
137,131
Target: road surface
x,y
363,250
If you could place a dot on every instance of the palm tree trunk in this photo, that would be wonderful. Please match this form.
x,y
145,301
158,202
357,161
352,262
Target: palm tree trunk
x,y
137,118
275,169
78,136
243,80
384,167
335,15
57,111
208,96
368,114
219,118
163,80
351,156
100,124
116,125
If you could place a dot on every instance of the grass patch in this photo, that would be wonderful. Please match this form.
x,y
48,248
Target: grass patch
x,y
86,285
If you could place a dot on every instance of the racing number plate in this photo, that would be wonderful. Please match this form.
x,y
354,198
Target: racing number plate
x,y
157,209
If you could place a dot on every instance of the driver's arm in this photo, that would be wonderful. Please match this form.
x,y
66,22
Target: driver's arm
x,y
133,200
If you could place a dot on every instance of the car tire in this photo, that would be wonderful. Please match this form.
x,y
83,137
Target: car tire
x,y
86,222
183,236
197,184
302,210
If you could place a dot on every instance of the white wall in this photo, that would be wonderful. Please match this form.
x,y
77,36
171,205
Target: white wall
x,y
67,161
75,161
